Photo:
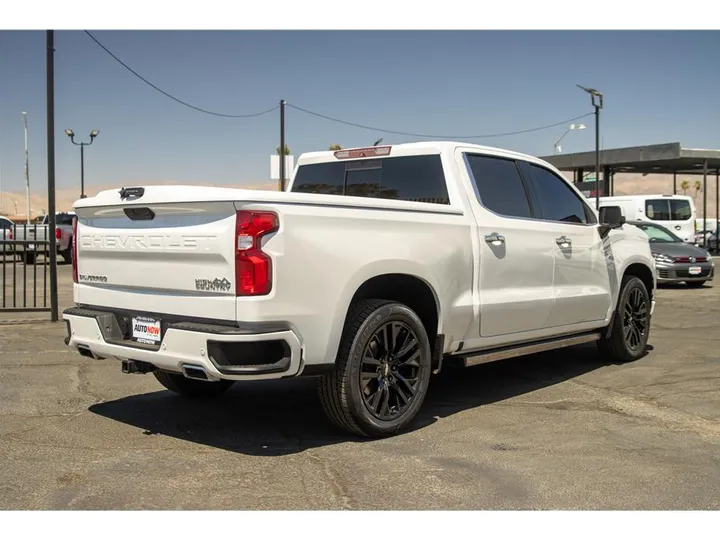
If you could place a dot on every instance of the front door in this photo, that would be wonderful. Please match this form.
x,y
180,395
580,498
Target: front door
x,y
582,279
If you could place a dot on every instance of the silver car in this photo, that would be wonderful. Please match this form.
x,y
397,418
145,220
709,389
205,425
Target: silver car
x,y
677,261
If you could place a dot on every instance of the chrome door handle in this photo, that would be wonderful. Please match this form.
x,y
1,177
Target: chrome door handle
x,y
495,239
563,241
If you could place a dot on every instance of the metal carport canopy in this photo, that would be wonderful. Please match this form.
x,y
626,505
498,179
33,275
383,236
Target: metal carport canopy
x,y
666,158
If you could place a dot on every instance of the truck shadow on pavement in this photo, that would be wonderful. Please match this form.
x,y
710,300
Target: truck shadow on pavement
x,y
270,418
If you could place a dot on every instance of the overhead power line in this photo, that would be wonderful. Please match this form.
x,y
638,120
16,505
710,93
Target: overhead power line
x,y
485,136
186,104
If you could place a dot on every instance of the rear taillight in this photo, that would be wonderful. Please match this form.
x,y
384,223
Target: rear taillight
x,y
10,237
253,268
58,233
74,241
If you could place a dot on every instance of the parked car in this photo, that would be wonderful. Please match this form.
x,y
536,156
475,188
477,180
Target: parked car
x,y
372,268
677,261
38,230
674,212
6,235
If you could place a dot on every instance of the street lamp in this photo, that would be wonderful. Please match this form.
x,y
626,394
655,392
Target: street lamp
x,y
596,98
571,127
94,133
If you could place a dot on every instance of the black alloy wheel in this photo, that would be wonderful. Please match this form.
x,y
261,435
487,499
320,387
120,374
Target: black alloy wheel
x,y
390,370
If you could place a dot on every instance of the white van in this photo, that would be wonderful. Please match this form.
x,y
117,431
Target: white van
x,y
674,212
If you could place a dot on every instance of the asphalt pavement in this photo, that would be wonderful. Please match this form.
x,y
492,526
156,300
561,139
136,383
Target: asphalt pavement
x,y
560,430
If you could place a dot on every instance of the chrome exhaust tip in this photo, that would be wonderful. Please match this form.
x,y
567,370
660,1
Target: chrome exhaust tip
x,y
195,372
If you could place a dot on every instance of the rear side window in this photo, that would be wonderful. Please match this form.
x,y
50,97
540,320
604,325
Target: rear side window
x,y
553,198
668,209
5,224
407,178
499,185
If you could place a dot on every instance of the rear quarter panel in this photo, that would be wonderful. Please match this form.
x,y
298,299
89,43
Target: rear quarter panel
x,y
323,254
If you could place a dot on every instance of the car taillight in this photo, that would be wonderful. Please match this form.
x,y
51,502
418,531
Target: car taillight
x,y
253,268
74,250
58,233
10,233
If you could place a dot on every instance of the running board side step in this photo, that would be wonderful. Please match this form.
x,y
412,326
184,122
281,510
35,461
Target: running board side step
x,y
528,348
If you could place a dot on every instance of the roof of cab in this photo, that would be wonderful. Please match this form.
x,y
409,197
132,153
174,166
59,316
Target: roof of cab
x,y
423,147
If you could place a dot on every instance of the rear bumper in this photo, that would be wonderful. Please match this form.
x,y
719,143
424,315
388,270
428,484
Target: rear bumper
x,y
96,333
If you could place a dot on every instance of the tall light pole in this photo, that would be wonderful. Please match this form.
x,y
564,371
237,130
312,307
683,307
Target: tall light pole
x,y
596,98
571,127
27,172
94,133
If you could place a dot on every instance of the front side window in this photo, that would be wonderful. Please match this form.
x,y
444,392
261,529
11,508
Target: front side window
x,y
553,198
499,185
680,210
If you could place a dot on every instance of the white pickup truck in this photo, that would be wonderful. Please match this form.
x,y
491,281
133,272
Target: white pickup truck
x,y
37,230
375,266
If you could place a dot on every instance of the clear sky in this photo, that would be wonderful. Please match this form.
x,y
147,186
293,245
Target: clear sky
x,y
659,87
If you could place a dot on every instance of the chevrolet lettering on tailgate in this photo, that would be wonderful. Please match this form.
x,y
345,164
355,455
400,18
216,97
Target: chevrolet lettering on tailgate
x,y
143,241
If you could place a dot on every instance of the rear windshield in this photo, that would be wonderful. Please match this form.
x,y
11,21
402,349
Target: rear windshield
x,y
64,219
668,209
410,178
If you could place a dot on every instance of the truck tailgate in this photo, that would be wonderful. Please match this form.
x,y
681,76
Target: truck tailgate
x,y
158,257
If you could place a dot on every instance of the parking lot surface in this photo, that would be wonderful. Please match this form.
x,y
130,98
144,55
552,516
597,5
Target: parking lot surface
x,y
560,430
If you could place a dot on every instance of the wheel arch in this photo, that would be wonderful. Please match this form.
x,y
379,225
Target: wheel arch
x,y
405,285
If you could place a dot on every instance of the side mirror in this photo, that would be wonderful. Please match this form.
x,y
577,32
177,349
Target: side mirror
x,y
610,218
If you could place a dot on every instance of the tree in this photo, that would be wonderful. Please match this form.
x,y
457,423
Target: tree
x,y
334,147
698,187
287,150
685,185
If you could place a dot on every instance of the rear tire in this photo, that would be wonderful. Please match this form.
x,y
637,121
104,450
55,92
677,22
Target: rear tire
x,y
377,387
695,284
191,388
28,258
630,328
67,254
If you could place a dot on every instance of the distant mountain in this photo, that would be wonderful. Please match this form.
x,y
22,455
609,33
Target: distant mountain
x,y
13,204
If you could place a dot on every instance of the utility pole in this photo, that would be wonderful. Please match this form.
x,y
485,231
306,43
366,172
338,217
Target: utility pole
x,y
50,90
282,145
27,172
596,98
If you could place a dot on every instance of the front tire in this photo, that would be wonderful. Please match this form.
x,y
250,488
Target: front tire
x,y
190,388
382,371
630,328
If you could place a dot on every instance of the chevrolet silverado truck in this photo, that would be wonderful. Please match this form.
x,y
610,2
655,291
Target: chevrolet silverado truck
x,y
371,269
37,230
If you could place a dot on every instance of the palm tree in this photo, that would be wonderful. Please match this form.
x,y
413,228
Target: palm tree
x,y
287,150
698,187
685,185
335,147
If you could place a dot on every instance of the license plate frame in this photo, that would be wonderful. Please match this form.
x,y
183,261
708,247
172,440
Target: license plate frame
x,y
695,270
146,330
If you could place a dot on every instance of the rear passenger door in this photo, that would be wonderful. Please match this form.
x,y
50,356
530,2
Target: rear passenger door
x,y
581,278
516,255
